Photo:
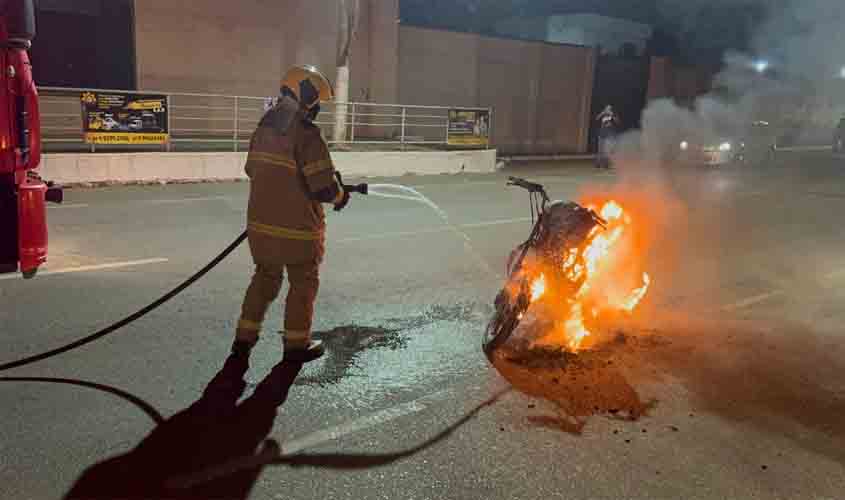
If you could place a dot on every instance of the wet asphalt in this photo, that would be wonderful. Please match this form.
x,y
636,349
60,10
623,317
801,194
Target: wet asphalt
x,y
404,404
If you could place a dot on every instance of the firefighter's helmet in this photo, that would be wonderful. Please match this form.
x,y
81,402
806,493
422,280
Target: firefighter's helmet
x,y
308,85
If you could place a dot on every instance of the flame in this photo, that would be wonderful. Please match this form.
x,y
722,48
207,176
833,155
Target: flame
x,y
538,288
574,327
611,211
637,295
597,269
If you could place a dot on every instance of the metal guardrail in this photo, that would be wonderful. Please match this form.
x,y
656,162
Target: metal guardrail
x,y
213,122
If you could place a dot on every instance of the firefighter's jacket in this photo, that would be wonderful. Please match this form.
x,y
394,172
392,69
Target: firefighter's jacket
x,y
291,174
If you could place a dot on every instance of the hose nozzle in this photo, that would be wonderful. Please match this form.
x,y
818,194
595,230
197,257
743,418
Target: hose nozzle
x,y
362,188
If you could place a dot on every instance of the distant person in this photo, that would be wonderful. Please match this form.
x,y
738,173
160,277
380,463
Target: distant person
x,y
291,175
484,127
608,124
269,102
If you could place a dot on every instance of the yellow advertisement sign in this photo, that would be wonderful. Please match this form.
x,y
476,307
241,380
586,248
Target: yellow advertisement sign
x,y
125,138
469,127
124,118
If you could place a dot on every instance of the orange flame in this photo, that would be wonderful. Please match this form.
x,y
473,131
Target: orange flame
x,y
599,266
637,295
538,288
611,211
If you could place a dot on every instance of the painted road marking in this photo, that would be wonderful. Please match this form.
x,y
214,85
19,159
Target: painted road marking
x,y
835,274
272,452
148,202
753,194
750,301
95,267
68,205
804,148
497,222
820,194
373,420
503,182
439,229
185,200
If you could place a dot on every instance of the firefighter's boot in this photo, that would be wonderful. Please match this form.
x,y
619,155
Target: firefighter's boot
x,y
241,349
299,348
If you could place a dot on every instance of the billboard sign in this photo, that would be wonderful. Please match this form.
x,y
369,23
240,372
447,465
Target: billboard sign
x,y
469,127
124,118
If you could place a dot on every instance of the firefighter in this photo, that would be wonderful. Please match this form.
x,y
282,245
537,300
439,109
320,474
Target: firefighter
x,y
291,176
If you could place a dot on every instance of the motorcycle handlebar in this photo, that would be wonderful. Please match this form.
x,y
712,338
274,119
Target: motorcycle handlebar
x,y
530,186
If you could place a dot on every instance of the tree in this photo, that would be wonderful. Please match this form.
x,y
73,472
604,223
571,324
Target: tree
x,y
348,15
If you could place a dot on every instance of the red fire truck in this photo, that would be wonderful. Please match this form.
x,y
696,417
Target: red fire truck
x,y
23,194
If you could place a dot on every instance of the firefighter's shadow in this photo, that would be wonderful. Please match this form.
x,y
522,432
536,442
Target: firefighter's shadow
x,y
212,431
209,449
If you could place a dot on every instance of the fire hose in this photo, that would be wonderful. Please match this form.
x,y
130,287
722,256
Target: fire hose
x,y
358,188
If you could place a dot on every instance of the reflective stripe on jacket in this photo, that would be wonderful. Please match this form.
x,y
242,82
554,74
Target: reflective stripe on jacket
x,y
288,166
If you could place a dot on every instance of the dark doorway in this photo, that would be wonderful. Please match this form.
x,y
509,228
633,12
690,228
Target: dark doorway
x,y
622,82
84,43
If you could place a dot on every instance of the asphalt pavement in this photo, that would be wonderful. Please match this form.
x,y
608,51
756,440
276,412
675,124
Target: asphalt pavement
x,y
734,362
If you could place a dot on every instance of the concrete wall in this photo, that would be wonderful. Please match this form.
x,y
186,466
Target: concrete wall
x,y
243,48
438,67
567,77
151,167
540,92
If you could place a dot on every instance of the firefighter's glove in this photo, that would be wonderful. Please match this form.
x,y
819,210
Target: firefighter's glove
x,y
343,194
344,200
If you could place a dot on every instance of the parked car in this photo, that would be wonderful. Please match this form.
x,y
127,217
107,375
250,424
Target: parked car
x,y
751,144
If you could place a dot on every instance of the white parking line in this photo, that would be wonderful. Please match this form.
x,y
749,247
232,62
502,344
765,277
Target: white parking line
x,y
376,419
753,194
290,448
185,200
68,205
835,274
95,267
503,182
440,229
791,149
750,301
497,222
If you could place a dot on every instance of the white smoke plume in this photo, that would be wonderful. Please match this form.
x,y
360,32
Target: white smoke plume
x,y
800,93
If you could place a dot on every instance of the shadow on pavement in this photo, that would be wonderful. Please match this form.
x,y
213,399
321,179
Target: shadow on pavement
x,y
272,454
209,449
211,431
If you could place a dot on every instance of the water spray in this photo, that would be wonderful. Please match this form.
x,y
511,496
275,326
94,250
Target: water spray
x,y
411,194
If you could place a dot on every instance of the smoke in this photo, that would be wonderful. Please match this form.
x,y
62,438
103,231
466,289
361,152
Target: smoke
x,y
787,73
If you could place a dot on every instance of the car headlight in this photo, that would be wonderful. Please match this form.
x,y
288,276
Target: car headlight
x,y
725,146
684,146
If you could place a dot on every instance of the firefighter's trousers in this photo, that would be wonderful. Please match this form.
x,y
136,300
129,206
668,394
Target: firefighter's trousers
x,y
273,256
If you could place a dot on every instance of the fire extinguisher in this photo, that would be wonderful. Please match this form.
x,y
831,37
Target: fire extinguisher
x,y
23,194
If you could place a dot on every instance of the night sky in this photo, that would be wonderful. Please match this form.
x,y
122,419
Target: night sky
x,y
692,31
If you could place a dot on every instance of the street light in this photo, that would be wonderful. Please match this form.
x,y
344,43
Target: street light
x,y
760,66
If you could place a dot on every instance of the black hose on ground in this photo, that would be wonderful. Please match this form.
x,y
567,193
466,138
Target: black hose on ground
x,y
132,317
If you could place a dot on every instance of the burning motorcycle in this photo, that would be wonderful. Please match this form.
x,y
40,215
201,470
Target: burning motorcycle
x,y
571,259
